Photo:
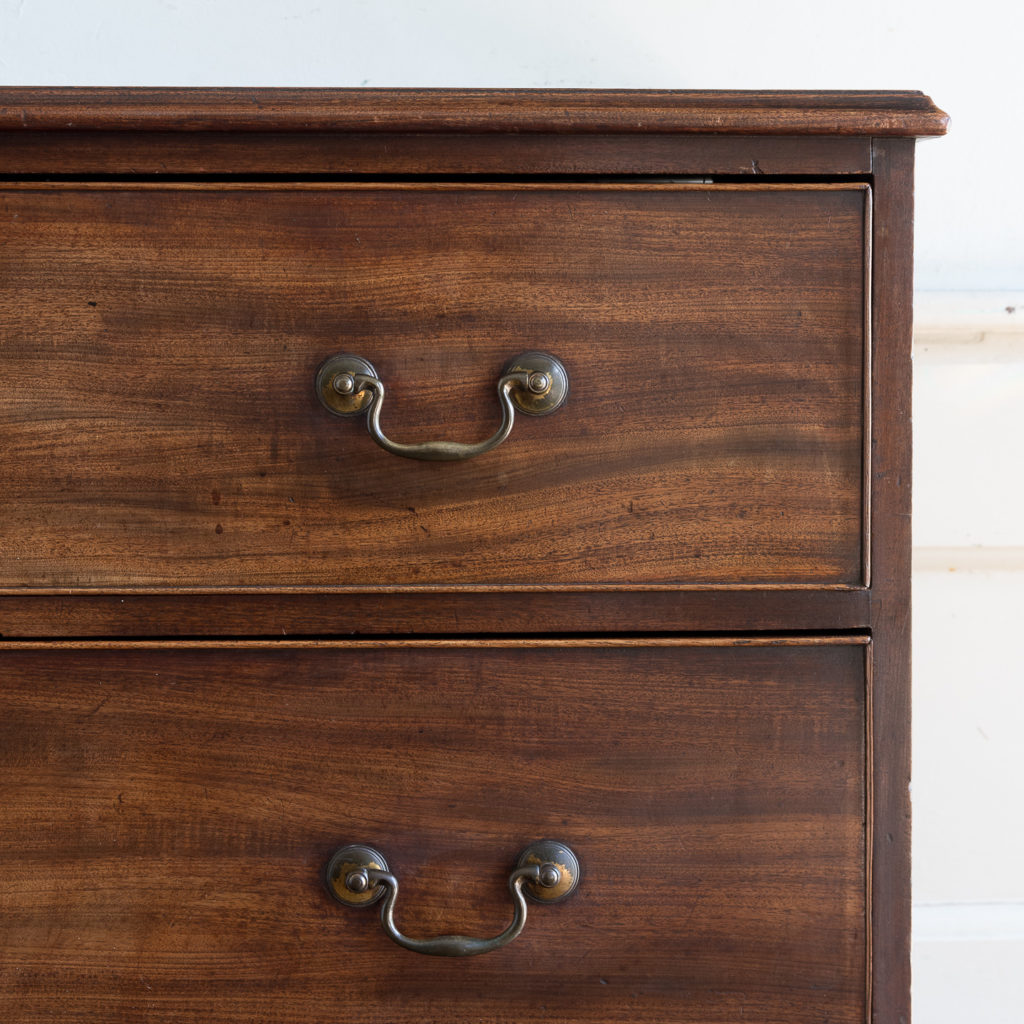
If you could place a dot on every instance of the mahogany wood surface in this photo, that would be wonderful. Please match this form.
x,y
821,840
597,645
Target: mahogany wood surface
x,y
167,805
714,338
890,592
419,611
380,154
640,112
168,814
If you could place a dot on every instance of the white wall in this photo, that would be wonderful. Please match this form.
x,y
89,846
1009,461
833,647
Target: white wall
x,y
969,576
966,56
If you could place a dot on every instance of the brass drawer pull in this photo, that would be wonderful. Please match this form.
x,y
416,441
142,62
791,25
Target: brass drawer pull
x,y
534,383
358,876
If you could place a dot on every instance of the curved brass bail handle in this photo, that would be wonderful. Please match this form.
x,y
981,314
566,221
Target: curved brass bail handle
x,y
534,383
358,876
450,945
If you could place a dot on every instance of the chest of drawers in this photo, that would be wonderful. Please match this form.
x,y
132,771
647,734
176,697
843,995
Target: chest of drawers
x,y
261,666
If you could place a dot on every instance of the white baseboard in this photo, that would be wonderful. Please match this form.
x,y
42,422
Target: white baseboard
x,y
969,558
968,425
969,922
968,983
968,318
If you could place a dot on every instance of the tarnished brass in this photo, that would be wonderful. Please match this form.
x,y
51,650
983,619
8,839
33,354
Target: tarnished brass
x,y
346,862
331,380
358,876
534,383
548,854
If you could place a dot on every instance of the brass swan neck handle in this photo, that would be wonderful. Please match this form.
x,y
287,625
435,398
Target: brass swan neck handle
x,y
359,876
534,383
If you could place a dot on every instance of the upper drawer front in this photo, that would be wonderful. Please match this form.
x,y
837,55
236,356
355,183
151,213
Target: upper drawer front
x,y
160,427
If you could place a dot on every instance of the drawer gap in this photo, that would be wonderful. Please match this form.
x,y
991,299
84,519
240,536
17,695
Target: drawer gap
x,y
768,639
526,179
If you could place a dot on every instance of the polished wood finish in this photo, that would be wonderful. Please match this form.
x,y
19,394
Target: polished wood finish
x,y
167,805
558,111
431,611
448,132
168,810
432,154
890,592
713,434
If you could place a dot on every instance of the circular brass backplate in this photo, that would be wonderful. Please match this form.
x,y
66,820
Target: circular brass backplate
x,y
547,851
552,396
339,402
346,860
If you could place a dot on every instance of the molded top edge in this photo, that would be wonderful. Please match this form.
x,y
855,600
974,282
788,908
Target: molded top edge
x,y
556,111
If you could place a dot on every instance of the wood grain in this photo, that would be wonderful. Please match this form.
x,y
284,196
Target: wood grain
x,y
387,154
168,814
168,806
890,592
280,615
160,344
557,111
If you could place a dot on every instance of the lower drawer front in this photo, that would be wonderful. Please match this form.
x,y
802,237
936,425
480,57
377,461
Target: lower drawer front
x,y
168,812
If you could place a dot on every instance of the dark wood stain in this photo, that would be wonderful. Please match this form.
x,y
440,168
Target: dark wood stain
x,y
168,813
890,594
713,434
275,614
556,111
425,153
620,626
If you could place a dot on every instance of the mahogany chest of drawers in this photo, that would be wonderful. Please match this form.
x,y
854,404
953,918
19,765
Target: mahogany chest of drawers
x,y
503,495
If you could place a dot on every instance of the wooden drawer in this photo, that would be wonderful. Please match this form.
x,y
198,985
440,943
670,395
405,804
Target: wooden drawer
x,y
160,344
169,810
